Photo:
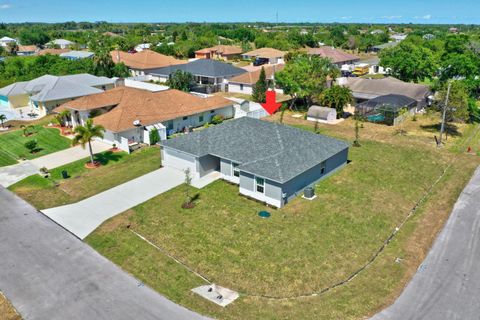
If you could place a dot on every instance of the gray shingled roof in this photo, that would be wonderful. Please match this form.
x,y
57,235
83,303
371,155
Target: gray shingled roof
x,y
49,88
202,67
270,150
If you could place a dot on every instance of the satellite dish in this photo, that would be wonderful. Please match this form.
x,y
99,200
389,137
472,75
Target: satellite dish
x,y
136,123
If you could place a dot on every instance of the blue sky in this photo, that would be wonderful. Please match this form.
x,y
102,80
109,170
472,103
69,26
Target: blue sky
x,y
369,11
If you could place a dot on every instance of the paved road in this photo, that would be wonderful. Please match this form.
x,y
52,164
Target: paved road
x,y
14,173
447,284
83,217
48,274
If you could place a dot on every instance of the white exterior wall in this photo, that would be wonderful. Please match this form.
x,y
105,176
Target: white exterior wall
x,y
261,197
237,88
180,160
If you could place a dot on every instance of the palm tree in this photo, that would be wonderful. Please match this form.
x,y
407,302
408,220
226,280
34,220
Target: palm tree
x,y
85,134
2,119
60,118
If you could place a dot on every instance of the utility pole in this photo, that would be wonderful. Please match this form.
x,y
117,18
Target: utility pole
x,y
442,128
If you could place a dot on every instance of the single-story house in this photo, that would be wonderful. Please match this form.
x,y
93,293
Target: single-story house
x,y
142,62
27,50
77,55
398,37
129,114
386,109
52,51
222,52
244,83
270,162
337,56
4,41
273,56
366,89
43,94
321,114
210,75
142,46
245,108
384,46
61,43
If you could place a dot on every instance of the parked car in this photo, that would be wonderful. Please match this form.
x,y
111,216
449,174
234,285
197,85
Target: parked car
x,y
260,61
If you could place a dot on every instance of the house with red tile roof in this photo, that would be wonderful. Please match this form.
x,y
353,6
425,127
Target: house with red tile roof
x,y
337,56
221,52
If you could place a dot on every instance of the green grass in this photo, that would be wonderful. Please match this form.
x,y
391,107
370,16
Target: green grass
x,y
12,144
304,247
116,169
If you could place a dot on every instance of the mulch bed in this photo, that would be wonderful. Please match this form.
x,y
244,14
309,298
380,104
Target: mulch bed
x,y
64,131
115,150
95,164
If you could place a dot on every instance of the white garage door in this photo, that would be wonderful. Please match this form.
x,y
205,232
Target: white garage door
x,y
179,160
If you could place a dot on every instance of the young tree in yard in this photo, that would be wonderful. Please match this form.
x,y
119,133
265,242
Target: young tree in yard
x,y
260,88
180,80
356,142
305,77
337,97
403,113
2,119
154,136
85,134
31,145
188,182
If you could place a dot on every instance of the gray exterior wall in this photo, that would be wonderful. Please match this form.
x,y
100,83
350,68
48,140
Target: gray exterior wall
x,y
225,167
207,164
246,181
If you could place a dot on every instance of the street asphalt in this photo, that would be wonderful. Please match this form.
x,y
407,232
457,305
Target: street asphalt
x,y
447,283
49,274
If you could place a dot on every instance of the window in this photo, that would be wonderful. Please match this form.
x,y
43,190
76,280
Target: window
x,y
322,167
213,111
241,87
185,118
236,171
200,118
260,185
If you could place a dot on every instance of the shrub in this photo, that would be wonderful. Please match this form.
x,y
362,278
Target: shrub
x,y
31,145
154,136
217,119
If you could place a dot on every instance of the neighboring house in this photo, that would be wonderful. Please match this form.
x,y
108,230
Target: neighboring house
x,y
129,114
5,41
56,52
384,46
77,55
209,75
142,62
367,89
61,43
321,114
453,30
244,83
398,37
111,34
27,50
221,52
43,94
386,109
338,57
273,56
142,46
377,32
428,36
269,161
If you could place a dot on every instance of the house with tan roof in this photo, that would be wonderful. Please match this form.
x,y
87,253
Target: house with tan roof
x,y
141,62
244,83
129,114
337,56
270,55
27,50
221,52
52,51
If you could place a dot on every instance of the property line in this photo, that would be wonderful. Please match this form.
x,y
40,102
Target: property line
x,y
354,274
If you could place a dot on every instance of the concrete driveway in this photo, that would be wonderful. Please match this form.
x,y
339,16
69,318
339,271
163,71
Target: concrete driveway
x,y
447,283
12,174
83,217
48,274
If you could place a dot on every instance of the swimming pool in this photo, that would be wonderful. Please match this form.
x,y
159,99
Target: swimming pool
x,y
376,118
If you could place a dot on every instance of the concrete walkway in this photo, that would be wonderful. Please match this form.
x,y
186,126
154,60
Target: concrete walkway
x,y
447,283
12,174
48,274
83,217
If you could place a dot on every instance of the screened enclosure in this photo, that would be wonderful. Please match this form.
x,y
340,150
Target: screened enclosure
x,y
386,109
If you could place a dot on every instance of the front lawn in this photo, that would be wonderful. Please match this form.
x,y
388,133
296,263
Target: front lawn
x,y
116,169
12,144
305,247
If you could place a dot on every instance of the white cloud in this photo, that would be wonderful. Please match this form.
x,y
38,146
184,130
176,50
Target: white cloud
x,y
346,18
425,17
5,6
391,17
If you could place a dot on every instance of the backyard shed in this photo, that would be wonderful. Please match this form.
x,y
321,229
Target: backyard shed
x,y
386,109
321,114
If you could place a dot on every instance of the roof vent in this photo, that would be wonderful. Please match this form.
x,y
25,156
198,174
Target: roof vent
x,y
137,123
